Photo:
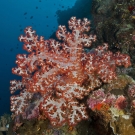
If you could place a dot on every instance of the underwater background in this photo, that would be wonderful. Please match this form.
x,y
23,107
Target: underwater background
x,y
67,67
15,15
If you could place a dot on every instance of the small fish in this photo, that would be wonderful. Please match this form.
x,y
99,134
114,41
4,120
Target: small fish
x,y
31,17
11,49
25,13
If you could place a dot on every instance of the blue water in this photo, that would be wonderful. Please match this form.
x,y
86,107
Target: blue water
x,y
15,15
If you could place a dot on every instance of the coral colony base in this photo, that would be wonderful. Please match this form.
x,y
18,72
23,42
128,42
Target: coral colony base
x,y
56,75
